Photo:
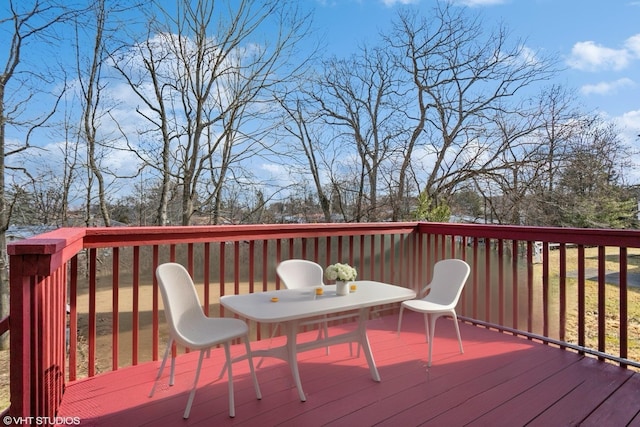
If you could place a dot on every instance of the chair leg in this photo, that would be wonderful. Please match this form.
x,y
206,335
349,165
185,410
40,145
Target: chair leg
x,y
431,333
455,322
256,386
164,361
195,384
172,371
426,327
227,353
400,318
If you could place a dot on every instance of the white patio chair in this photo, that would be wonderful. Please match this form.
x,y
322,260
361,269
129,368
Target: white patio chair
x,y
189,327
442,294
302,274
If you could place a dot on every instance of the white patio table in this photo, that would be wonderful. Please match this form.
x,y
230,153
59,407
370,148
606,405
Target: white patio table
x,y
295,306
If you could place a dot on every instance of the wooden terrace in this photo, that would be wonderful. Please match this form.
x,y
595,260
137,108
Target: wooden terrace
x,y
500,380
550,330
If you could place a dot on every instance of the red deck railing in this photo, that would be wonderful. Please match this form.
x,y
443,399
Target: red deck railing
x,y
537,282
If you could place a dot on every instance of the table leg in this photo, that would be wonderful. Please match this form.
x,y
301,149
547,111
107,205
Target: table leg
x,y
292,355
364,342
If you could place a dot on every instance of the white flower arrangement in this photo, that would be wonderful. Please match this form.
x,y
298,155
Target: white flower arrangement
x,y
341,272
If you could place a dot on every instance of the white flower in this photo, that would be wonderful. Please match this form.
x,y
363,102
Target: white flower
x,y
342,272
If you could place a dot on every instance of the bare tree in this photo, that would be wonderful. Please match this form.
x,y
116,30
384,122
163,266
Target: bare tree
x,y
102,22
300,126
516,170
90,87
461,77
359,98
26,24
204,75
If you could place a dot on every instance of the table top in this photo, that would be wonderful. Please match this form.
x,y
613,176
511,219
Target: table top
x,y
294,304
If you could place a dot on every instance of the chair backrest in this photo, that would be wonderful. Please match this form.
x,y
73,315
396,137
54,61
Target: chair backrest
x,y
300,273
181,303
449,277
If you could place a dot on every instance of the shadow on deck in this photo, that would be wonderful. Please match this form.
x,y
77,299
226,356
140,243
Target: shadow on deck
x,y
500,380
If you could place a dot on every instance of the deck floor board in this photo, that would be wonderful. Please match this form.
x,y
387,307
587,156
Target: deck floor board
x,y
499,380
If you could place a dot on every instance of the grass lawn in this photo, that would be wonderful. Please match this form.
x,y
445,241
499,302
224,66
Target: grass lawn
x,y
612,298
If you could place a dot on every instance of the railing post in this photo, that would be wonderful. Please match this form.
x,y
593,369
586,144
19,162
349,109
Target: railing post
x,y
37,292
20,332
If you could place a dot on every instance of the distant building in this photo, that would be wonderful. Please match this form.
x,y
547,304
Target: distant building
x,y
21,232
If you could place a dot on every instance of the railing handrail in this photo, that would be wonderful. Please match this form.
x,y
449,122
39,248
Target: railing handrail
x,y
579,236
69,240
129,236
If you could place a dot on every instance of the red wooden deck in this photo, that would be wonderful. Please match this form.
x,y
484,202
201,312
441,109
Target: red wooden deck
x,y
500,380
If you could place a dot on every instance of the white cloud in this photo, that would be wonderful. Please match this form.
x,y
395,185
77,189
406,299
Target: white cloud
x,y
606,88
589,56
630,121
276,169
633,45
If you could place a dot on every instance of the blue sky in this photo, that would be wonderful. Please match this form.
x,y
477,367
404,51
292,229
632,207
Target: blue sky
x,y
596,41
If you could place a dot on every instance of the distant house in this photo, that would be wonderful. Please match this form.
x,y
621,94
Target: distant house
x,y
21,232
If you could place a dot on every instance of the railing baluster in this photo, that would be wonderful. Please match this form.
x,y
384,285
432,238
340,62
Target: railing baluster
x,y
221,277
382,258
602,303
252,267
427,263
155,296
43,343
206,270
372,256
487,279
501,304
291,248
623,306
73,319
515,301
530,250
265,266
135,312
236,267
361,248
545,289
327,250
92,312
115,307
581,298
278,260
403,278
562,283
190,258
392,259
475,274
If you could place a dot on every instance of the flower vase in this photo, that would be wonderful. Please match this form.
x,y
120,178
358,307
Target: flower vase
x,y
342,288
